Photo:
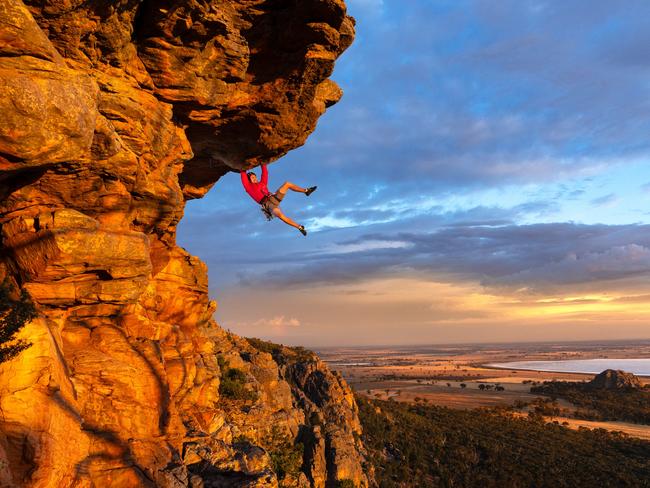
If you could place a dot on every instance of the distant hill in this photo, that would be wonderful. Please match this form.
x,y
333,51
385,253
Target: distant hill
x,y
611,395
615,379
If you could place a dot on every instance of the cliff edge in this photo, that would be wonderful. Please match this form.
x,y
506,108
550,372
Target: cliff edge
x,y
114,113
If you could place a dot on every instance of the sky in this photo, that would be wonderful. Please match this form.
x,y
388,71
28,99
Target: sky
x,y
484,178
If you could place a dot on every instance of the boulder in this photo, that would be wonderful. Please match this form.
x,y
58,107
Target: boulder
x,y
615,379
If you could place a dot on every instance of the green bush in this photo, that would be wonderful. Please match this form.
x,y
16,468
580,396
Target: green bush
x,y
14,314
265,346
286,455
303,354
223,364
283,355
287,459
233,382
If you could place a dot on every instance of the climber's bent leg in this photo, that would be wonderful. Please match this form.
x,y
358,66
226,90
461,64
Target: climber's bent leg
x,y
287,185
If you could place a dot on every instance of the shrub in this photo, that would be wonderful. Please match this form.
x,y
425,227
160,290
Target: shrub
x,y
14,314
265,346
303,354
233,382
287,459
286,455
223,364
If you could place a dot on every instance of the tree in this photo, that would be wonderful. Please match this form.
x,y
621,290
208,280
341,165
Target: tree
x,y
481,386
463,385
14,314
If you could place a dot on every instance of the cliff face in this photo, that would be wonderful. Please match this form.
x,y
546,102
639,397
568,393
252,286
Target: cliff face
x,y
114,113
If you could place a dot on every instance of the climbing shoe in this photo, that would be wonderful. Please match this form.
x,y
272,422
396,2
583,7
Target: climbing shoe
x,y
302,230
310,190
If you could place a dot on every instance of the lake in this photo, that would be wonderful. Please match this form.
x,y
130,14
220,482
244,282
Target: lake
x,y
640,367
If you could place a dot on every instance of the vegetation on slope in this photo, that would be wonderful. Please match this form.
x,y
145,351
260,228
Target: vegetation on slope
x,y
233,382
628,404
286,458
282,353
430,446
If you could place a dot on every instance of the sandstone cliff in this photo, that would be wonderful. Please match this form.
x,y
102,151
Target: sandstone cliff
x,y
113,114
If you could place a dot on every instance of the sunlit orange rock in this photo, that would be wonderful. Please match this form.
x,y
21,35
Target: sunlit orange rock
x,y
113,115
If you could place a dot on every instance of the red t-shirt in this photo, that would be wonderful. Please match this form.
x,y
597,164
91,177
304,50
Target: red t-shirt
x,y
258,190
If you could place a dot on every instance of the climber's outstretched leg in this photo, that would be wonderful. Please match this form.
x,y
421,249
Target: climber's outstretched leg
x,y
278,213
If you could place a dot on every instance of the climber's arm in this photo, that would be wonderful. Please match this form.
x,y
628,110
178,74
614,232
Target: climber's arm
x,y
265,175
244,180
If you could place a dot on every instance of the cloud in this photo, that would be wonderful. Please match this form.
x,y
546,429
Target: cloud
x,y
536,258
278,321
369,245
615,263
473,139
605,200
278,324
493,95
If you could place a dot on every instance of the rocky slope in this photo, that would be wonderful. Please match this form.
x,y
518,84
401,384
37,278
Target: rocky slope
x,y
114,113
615,379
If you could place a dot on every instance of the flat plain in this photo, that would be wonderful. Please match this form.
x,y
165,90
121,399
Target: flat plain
x,y
459,376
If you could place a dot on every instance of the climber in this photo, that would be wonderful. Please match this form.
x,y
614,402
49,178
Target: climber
x,y
270,202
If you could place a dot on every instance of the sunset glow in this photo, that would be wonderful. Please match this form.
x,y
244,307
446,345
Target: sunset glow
x,y
490,185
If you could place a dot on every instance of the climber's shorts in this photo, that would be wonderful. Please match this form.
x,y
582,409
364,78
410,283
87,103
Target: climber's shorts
x,y
271,201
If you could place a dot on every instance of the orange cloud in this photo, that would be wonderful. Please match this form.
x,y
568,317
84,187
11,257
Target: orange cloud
x,y
417,310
